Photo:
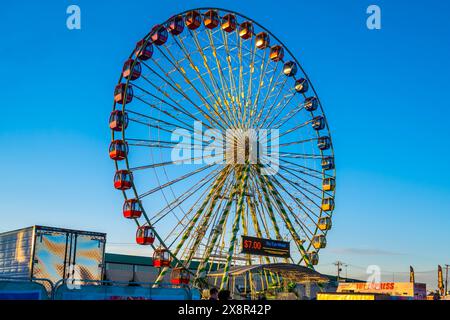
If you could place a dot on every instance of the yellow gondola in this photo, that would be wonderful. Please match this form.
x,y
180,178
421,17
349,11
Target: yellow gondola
x,y
324,223
319,242
328,184
328,204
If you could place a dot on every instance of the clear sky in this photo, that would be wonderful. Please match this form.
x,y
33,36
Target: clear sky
x,y
385,94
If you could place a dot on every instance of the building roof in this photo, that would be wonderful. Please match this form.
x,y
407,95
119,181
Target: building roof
x,y
148,261
291,271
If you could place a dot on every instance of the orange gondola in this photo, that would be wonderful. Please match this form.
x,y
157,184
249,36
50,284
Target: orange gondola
x,y
246,30
229,22
262,40
118,120
193,20
276,53
123,94
131,69
143,51
211,19
176,25
118,150
159,34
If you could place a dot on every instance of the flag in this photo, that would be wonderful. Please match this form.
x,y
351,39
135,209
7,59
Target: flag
x,y
441,281
412,277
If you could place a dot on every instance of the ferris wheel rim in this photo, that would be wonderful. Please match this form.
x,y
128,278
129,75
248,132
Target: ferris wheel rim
x,y
147,39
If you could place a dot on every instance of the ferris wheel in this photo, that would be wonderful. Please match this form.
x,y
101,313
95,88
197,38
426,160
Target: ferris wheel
x,y
196,75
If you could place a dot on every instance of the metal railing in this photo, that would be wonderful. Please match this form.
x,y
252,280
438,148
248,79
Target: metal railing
x,y
52,288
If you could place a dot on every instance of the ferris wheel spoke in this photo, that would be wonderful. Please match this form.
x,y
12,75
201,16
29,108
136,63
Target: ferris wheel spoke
x,y
285,218
161,214
165,129
255,104
298,202
183,177
172,162
235,229
270,87
181,71
323,174
248,98
176,105
159,143
273,105
295,128
165,102
281,106
219,227
223,81
267,202
301,179
234,93
207,89
240,81
252,209
177,88
205,221
296,155
289,115
291,143
221,96
176,126
151,125
259,206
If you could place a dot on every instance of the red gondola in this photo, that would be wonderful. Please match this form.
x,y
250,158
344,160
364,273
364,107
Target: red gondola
x,y
211,19
193,20
143,51
118,120
179,276
118,150
176,25
159,34
123,180
119,93
276,53
246,30
161,258
229,23
262,40
132,209
145,236
131,71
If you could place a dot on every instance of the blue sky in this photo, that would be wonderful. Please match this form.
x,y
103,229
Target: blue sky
x,y
385,93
